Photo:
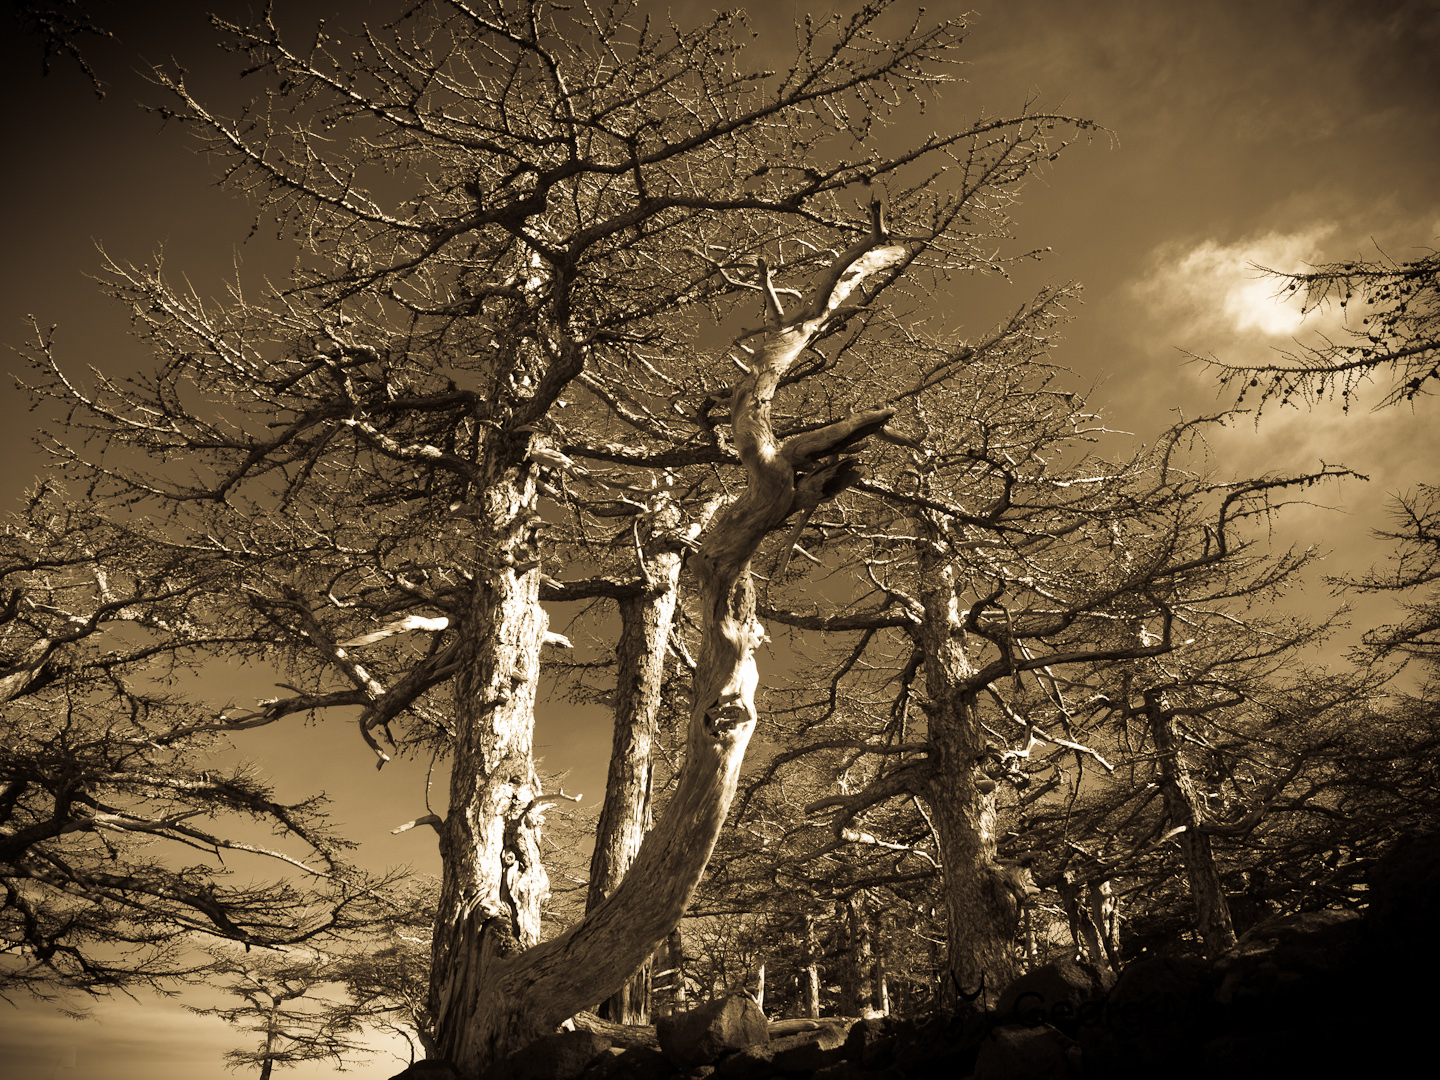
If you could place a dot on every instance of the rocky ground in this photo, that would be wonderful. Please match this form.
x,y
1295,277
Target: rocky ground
x,y
1313,995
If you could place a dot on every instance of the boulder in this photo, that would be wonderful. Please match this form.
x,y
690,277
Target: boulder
x,y
1053,993
1027,1053
798,1054
1279,952
718,1027
870,1042
428,1070
943,1044
1161,1012
561,1056
1400,919
632,1063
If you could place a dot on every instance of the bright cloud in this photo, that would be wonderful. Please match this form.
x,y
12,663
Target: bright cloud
x,y
1216,287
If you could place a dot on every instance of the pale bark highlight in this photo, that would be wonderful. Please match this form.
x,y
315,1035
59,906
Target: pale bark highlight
x,y
514,996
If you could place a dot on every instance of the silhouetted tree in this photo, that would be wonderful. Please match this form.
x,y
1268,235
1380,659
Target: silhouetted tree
x,y
120,839
519,231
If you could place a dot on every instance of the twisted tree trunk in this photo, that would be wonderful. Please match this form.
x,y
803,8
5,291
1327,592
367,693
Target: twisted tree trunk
x,y
493,880
494,989
983,920
645,622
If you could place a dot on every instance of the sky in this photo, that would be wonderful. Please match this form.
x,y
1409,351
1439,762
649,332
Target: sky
x,y
1238,132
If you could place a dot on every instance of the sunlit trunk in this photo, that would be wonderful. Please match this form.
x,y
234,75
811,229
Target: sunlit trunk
x,y
491,993
983,918
810,968
645,623
493,882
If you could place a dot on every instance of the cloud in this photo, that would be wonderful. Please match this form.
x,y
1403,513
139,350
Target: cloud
x,y
1212,288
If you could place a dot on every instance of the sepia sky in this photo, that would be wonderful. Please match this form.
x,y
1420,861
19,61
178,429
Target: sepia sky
x,y
1240,132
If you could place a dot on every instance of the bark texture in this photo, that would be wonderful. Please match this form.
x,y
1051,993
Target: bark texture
x,y
1212,913
497,989
810,968
625,817
982,915
861,991
493,881
1093,914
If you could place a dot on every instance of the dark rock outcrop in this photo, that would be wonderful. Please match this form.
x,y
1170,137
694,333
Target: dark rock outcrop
x,y
715,1028
564,1055
1319,993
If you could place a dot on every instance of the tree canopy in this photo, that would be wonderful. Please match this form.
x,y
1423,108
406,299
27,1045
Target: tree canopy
x,y
593,313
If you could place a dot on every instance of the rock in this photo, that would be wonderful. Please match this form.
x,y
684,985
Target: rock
x,y
634,1063
1400,919
1026,1053
428,1070
811,1050
564,1055
704,1034
1160,1012
944,1044
870,1042
1053,993
1281,951
606,1066
801,1053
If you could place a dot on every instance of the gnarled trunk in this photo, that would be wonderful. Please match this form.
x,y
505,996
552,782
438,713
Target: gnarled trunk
x,y
645,622
493,881
1212,914
983,916
492,993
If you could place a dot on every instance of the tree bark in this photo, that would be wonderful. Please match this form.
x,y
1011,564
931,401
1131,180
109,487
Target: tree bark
x,y
495,990
493,881
1212,914
267,1064
640,653
861,998
1105,914
675,963
1086,912
982,915
626,815
882,979
809,968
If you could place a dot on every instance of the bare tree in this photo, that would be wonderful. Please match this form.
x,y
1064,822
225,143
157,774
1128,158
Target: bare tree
x,y
1007,568
120,841
1392,329
518,229
281,1001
